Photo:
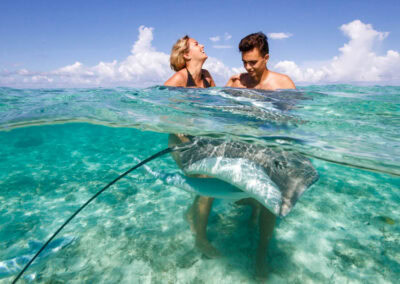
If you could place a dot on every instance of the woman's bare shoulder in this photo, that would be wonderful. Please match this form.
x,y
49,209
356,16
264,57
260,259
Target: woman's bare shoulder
x,y
177,80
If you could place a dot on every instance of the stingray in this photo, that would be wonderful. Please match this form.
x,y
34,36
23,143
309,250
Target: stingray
x,y
273,176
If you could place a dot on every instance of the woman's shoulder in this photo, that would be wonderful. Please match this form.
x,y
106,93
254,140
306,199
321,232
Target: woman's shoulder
x,y
208,77
178,79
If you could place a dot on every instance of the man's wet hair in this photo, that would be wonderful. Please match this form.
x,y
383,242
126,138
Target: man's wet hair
x,y
251,41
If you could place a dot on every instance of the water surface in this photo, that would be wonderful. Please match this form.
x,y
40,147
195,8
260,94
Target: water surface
x,y
59,146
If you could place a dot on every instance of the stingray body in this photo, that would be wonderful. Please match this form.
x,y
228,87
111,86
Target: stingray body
x,y
275,177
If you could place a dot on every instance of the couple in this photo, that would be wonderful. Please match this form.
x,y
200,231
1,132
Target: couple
x,y
187,58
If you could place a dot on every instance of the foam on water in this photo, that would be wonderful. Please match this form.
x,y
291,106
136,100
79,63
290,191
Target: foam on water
x,y
345,228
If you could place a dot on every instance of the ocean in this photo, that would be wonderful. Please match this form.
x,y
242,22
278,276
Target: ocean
x,y
58,147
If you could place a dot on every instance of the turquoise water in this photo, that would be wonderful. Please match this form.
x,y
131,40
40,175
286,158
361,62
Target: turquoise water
x,y
58,147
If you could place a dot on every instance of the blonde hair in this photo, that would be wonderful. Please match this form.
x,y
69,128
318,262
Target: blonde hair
x,y
176,59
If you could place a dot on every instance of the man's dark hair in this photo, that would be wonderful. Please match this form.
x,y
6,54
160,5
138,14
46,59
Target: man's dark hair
x,y
251,41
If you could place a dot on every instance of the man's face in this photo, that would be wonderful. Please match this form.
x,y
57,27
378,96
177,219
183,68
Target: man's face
x,y
254,62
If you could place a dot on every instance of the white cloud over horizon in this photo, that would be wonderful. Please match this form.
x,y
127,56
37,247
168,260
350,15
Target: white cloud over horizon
x,y
356,62
142,68
279,35
145,66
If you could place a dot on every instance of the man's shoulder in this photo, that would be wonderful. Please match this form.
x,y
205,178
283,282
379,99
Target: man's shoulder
x,y
279,77
281,81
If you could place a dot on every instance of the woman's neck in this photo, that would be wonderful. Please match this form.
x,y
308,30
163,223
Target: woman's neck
x,y
195,70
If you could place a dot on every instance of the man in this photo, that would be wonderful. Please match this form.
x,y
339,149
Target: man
x,y
255,55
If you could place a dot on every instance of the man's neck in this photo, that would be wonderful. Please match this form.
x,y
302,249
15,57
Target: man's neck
x,y
255,81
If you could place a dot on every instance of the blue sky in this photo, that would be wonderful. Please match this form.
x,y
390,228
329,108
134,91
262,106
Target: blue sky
x,y
43,36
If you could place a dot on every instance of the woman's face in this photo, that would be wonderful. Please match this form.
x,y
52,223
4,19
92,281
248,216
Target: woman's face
x,y
196,50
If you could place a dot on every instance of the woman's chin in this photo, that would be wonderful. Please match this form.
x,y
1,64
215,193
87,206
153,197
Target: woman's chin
x,y
203,58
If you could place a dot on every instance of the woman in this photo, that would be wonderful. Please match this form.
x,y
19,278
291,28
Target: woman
x,y
187,59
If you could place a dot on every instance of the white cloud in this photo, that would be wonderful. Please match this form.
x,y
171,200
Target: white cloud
x,y
145,66
219,71
23,72
215,38
222,46
279,35
356,62
227,36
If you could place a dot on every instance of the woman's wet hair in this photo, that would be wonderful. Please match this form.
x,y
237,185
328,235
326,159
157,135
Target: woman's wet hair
x,y
176,59
251,41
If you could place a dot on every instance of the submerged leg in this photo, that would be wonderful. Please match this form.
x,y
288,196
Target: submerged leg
x,y
197,214
197,217
267,224
255,205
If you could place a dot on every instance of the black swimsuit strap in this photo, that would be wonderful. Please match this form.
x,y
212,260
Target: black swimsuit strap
x,y
191,83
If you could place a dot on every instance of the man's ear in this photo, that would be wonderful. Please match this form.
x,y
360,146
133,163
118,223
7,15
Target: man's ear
x,y
266,57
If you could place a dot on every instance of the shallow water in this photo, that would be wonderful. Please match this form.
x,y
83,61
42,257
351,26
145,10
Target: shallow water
x,y
344,229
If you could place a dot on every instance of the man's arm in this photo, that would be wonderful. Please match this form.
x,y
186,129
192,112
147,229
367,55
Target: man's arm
x,y
233,81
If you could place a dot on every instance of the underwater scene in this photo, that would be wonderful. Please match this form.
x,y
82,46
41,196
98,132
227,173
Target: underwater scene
x,y
58,147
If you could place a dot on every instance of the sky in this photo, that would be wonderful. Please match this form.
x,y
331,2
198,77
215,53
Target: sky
x,y
99,43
